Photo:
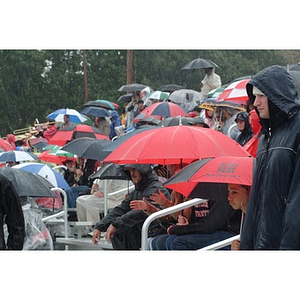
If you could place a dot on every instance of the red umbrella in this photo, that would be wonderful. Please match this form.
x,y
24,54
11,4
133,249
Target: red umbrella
x,y
174,145
235,92
190,181
73,132
161,110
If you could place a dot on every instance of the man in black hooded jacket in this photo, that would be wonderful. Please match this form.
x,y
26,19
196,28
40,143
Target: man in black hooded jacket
x,y
123,225
11,214
272,218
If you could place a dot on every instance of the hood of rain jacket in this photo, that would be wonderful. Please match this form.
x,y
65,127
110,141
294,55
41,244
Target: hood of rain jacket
x,y
12,215
272,221
121,216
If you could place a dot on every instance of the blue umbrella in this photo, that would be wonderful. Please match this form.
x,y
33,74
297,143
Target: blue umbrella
x,y
17,156
75,116
45,171
95,111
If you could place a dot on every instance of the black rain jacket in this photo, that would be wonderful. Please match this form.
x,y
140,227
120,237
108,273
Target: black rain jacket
x,y
11,214
121,216
272,218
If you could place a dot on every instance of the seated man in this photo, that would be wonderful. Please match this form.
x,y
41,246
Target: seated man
x,y
122,224
90,206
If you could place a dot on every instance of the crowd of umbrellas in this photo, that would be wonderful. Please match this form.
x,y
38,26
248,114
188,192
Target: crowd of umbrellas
x,y
213,159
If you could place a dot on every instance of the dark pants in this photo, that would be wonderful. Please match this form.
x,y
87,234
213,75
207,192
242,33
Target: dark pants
x,y
189,241
129,239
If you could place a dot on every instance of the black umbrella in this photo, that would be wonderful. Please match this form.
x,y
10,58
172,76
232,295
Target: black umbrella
x,y
28,184
100,103
170,88
200,63
134,87
175,121
95,111
126,97
111,171
88,148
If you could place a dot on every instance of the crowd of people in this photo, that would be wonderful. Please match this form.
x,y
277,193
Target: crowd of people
x,y
264,214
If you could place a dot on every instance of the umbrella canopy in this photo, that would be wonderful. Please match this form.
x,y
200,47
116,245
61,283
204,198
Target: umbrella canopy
x,y
37,143
212,103
28,185
45,171
126,97
72,132
120,140
17,156
235,92
95,111
170,88
174,121
179,96
219,170
162,110
175,145
215,93
87,148
102,103
157,95
111,171
75,116
200,63
56,155
133,87
5,146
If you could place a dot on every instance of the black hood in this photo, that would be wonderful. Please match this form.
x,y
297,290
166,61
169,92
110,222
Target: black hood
x,y
145,170
277,84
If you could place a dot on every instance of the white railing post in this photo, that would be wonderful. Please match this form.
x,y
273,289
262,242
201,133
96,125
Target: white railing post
x,y
165,212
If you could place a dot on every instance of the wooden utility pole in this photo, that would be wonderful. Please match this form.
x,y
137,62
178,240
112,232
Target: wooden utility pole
x,y
129,66
86,92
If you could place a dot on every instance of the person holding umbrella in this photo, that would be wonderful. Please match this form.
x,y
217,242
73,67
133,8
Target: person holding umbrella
x,y
272,221
122,224
210,81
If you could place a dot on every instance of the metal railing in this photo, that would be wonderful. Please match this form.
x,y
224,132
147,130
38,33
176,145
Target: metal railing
x,y
165,212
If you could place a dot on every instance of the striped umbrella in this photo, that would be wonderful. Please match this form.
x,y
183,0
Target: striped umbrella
x,y
235,92
45,171
75,116
17,156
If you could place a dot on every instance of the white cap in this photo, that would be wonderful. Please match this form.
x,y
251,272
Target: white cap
x,y
256,91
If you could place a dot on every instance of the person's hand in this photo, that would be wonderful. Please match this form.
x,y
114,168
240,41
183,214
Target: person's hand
x,y
99,194
96,236
182,220
235,245
110,232
168,230
138,205
160,198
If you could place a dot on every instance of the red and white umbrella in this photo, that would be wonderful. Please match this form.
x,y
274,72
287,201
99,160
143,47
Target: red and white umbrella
x,y
235,92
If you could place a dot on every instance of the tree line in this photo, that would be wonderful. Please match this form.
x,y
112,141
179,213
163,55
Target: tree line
x,y
33,83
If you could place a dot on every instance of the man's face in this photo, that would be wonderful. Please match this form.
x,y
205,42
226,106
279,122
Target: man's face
x,y
261,103
136,176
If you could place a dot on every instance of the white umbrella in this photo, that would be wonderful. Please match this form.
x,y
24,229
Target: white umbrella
x,y
17,156
75,116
